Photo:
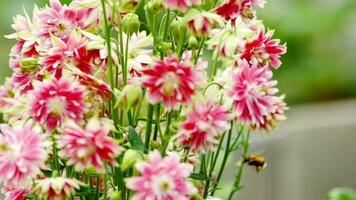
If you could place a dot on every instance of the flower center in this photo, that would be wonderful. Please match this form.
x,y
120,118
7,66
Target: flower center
x,y
162,185
56,105
170,83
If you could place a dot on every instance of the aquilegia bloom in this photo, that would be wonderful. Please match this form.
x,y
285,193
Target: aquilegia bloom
x,y
162,178
203,126
171,81
56,100
89,147
22,152
57,188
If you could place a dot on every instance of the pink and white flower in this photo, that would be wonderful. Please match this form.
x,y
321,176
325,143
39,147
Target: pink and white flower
x,y
265,50
200,23
15,193
204,124
231,9
56,100
162,178
56,188
276,115
171,81
60,20
22,152
88,147
181,5
72,53
252,93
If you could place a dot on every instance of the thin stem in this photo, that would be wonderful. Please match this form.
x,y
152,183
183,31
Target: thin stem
x,y
148,127
225,158
157,121
237,184
167,135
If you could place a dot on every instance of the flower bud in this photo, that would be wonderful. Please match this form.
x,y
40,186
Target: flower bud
x,y
92,172
131,23
165,46
129,159
28,64
193,42
178,28
154,6
116,195
129,97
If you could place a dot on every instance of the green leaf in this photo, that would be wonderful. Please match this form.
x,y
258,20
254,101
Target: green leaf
x,y
341,194
135,140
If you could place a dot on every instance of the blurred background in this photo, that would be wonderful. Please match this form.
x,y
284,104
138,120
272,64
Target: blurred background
x,y
314,150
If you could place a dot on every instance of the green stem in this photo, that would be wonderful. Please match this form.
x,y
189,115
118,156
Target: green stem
x,y
167,133
225,158
157,122
55,152
237,184
150,111
166,25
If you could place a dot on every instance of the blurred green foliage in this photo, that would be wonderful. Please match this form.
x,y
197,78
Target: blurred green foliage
x,y
341,194
321,38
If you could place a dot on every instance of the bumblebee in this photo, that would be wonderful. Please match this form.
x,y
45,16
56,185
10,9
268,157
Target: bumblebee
x,y
257,161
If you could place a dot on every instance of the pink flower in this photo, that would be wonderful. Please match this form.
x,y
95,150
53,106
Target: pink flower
x,y
56,188
181,5
252,93
231,9
171,82
162,179
88,147
276,115
60,20
22,152
65,54
203,126
15,193
200,23
94,85
56,100
265,50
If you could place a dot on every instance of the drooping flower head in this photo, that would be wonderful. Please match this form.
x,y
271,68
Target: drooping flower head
x,y
276,115
231,9
181,5
162,178
56,100
171,81
88,147
252,93
56,188
204,124
22,152
200,23
265,50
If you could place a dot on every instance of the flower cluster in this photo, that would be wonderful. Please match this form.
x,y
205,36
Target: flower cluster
x,y
99,105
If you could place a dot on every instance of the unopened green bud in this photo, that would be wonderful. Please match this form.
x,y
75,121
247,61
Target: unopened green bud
x,y
178,28
131,23
154,6
28,64
193,42
129,159
129,97
116,195
165,46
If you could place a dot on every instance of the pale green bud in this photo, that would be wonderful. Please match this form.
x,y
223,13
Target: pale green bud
x,y
154,6
28,64
129,159
131,23
193,42
178,28
129,97
116,195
